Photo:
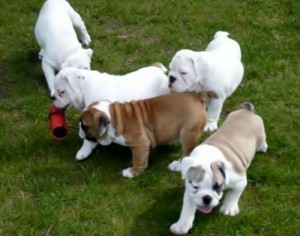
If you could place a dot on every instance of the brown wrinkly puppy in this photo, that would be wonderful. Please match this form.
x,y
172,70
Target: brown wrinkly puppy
x,y
144,124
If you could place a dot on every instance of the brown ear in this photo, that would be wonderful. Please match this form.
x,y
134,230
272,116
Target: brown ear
x,y
218,170
101,122
195,173
207,96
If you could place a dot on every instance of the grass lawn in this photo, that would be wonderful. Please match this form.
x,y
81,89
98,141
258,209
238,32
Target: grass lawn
x,y
41,184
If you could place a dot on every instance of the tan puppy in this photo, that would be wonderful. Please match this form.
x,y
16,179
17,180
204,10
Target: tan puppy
x,y
220,163
144,124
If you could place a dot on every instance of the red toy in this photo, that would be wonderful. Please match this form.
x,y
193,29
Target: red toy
x,y
58,125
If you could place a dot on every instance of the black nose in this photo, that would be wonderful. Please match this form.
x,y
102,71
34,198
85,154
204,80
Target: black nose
x,y
207,199
172,79
52,98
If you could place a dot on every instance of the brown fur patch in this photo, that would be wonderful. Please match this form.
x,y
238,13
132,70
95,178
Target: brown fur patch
x,y
157,64
218,170
92,120
195,173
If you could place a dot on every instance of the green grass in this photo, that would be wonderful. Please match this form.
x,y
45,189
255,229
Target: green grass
x,y
41,184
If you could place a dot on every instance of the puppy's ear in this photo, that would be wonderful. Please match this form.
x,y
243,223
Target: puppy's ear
x,y
101,122
186,163
218,170
72,80
89,52
195,173
200,64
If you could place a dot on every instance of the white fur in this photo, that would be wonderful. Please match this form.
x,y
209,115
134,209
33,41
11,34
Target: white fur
x,y
55,34
204,155
127,173
78,88
218,68
88,146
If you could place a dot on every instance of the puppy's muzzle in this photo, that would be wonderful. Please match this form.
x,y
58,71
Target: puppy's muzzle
x,y
172,79
206,200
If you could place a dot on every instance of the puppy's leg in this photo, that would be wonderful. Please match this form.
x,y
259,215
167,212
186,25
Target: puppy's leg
x,y
80,26
264,147
139,162
230,204
189,138
85,150
41,54
49,73
187,215
214,108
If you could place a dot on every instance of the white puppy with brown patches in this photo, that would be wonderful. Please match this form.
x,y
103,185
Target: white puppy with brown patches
x,y
218,164
55,33
218,68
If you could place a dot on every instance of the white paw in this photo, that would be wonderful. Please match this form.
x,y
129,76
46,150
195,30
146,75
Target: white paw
x,y
41,54
82,154
264,147
180,229
230,209
175,166
210,126
127,173
86,40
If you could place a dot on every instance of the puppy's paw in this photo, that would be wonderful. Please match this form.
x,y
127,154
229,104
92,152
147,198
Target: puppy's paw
x,y
264,147
127,173
230,209
86,40
82,154
210,126
179,228
175,166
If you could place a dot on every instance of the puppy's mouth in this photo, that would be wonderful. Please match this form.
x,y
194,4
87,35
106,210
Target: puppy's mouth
x,y
205,209
65,107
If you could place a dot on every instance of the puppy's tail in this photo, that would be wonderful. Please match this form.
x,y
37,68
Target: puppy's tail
x,y
248,106
221,34
160,66
207,96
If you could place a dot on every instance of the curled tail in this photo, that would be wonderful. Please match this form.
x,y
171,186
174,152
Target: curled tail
x,y
221,34
207,96
248,106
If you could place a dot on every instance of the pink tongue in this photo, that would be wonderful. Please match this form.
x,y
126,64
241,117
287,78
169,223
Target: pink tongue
x,y
205,209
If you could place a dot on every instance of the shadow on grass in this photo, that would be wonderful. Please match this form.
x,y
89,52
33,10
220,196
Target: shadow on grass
x,y
29,76
162,214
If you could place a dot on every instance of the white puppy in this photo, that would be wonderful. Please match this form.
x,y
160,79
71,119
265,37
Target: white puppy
x,y
79,88
220,163
55,33
218,68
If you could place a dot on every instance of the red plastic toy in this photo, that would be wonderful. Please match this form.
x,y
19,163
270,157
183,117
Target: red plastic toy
x,y
58,125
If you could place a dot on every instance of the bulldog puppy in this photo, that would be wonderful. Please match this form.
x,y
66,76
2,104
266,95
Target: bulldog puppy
x,y
55,34
78,88
218,68
220,163
144,124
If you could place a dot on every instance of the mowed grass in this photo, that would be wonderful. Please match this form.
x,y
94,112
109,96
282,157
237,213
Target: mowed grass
x,y
42,186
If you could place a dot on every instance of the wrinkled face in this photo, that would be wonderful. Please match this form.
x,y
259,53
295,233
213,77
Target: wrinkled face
x,y
182,75
66,90
205,186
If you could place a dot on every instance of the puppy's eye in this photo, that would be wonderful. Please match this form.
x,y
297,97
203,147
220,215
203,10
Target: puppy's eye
x,y
60,93
183,73
217,187
194,186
